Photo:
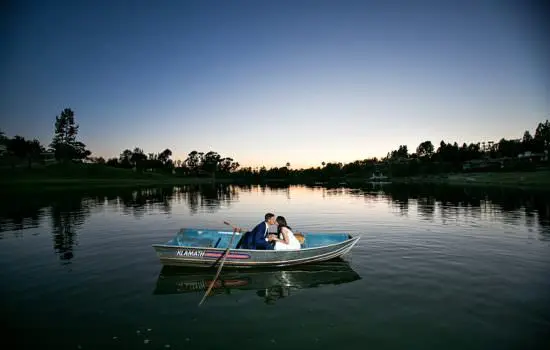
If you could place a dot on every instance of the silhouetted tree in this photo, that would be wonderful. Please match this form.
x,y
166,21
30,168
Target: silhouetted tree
x,y
509,148
124,159
227,165
34,151
194,161
401,152
425,149
23,149
18,146
3,138
114,162
542,137
210,162
164,156
64,142
98,160
138,158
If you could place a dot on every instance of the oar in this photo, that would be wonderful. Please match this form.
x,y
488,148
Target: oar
x,y
235,229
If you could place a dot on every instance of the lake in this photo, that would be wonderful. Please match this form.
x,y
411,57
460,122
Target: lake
x,y
435,268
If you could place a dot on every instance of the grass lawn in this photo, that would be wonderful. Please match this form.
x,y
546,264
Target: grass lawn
x,y
69,176
83,176
538,179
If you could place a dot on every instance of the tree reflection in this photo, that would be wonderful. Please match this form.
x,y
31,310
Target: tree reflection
x,y
426,207
455,202
21,212
68,211
68,214
140,201
209,197
400,201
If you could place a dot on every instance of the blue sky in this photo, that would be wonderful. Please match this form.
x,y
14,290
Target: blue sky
x,y
267,82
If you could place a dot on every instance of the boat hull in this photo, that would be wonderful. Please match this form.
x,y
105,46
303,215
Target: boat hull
x,y
188,256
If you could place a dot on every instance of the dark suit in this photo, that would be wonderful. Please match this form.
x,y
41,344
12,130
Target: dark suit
x,y
255,239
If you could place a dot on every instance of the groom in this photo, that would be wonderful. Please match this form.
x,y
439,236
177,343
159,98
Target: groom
x,y
259,238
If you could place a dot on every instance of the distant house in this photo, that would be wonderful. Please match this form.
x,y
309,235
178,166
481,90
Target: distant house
x,y
378,176
49,157
482,164
531,156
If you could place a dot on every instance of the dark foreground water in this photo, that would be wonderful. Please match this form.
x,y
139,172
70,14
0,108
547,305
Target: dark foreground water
x,y
436,268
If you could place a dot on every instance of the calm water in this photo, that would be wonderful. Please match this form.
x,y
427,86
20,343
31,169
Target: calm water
x,y
436,268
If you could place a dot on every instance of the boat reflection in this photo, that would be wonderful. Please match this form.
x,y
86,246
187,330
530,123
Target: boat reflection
x,y
270,284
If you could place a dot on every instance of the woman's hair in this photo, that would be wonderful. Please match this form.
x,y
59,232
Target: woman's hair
x,y
281,221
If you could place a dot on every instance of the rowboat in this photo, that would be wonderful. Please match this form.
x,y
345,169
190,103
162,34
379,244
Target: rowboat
x,y
206,248
269,282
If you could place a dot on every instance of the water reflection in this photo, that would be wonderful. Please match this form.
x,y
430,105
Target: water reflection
x,y
206,197
68,211
17,214
68,214
141,201
269,284
451,203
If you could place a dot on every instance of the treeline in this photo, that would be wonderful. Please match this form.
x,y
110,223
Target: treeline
x,y
64,144
505,155
196,163
426,159
19,149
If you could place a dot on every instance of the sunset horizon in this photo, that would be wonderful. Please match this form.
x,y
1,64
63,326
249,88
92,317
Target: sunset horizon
x,y
302,82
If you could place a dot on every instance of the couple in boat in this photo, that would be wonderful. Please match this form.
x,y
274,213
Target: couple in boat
x,y
260,238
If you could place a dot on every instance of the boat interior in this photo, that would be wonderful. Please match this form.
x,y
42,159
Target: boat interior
x,y
220,239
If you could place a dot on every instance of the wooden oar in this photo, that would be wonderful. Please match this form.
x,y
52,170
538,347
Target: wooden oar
x,y
235,229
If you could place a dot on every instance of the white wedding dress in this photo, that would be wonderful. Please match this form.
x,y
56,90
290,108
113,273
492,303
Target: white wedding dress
x,y
293,243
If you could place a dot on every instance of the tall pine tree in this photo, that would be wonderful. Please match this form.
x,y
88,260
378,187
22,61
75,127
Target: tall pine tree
x,y
64,142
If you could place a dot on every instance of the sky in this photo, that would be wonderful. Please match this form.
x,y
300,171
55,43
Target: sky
x,y
270,82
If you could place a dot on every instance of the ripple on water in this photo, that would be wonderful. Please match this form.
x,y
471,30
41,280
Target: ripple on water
x,y
433,265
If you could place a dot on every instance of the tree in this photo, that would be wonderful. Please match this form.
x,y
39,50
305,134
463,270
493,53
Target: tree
x,y
34,151
3,138
64,142
18,146
227,165
138,157
194,161
542,136
527,142
114,162
164,156
25,149
401,152
509,148
210,162
99,160
124,159
235,166
425,149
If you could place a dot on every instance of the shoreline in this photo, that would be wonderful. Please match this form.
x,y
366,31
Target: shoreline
x,y
520,180
34,184
527,180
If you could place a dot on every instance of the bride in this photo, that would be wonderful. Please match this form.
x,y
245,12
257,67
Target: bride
x,y
286,240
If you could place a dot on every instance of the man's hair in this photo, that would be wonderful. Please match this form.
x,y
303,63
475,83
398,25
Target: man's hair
x,y
269,216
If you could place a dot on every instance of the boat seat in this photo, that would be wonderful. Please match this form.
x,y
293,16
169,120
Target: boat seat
x,y
321,240
193,242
